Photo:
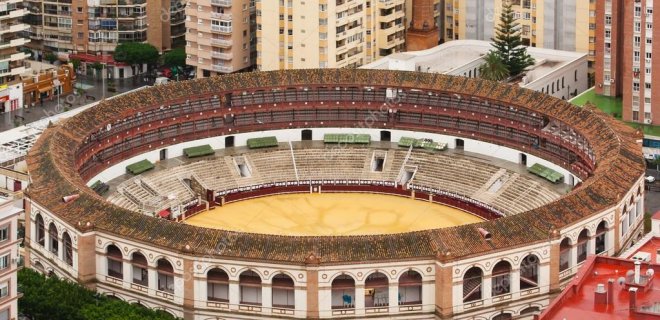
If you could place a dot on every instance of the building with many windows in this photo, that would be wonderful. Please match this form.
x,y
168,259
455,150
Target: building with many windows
x,y
625,61
331,34
9,254
98,26
12,63
220,36
563,25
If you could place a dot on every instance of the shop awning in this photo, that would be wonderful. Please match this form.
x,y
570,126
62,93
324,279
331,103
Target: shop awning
x,y
45,89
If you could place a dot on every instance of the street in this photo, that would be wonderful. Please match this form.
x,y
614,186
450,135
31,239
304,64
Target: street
x,y
92,92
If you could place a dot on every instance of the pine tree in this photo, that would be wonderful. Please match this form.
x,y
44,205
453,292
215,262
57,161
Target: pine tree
x,y
508,42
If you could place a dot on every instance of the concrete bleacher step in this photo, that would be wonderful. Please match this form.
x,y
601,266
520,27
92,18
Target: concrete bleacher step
x,y
483,193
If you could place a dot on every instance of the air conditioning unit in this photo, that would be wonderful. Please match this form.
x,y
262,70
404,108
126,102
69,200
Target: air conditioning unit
x,y
648,121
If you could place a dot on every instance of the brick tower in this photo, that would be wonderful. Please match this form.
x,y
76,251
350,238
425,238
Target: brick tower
x,y
423,31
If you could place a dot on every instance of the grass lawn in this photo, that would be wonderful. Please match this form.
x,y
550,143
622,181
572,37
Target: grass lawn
x,y
613,107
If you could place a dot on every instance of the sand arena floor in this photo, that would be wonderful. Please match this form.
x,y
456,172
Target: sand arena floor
x,y
331,214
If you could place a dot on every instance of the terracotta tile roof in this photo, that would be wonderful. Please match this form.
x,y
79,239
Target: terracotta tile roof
x,y
619,165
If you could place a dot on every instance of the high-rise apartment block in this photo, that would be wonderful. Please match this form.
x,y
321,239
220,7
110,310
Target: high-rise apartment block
x,y
552,24
11,60
220,37
9,258
330,34
97,26
625,60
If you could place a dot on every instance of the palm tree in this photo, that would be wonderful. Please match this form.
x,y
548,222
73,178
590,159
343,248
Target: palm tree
x,y
493,68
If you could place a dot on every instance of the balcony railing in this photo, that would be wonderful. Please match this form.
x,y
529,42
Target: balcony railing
x,y
223,29
222,68
223,3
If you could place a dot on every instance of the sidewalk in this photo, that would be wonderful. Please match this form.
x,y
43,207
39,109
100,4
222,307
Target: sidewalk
x,y
93,88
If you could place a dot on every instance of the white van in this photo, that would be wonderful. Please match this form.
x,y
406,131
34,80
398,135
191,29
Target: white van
x,y
161,80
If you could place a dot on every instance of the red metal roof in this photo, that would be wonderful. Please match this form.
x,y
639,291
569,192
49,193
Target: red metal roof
x,y
578,301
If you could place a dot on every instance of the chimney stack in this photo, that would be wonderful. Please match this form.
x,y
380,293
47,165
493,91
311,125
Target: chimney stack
x,y
633,299
610,291
637,271
600,295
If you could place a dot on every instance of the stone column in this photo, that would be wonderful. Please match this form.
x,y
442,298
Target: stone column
x,y
234,292
267,295
554,267
312,266
572,256
443,291
188,289
152,275
359,298
87,258
393,296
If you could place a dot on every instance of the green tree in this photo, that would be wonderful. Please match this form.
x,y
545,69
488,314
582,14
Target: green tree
x,y
76,63
175,58
493,68
508,42
49,298
50,57
136,53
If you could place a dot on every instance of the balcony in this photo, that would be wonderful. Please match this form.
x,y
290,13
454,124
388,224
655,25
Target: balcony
x,y
222,55
221,16
221,29
222,3
221,42
223,68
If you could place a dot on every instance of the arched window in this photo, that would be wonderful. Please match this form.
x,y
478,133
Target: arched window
x,y
41,230
503,316
68,248
583,240
343,292
283,292
140,269
52,238
376,290
250,286
565,254
601,232
501,279
472,284
217,285
530,311
410,288
529,272
165,276
114,256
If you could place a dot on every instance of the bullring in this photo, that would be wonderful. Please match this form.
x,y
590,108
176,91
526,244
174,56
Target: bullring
x,y
451,270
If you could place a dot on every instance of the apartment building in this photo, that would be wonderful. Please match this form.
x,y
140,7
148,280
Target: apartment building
x,y
11,60
330,34
220,36
97,26
625,64
9,255
552,24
